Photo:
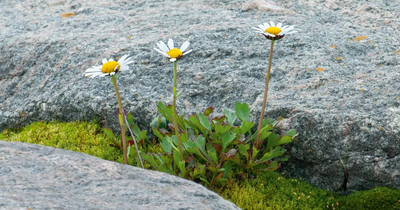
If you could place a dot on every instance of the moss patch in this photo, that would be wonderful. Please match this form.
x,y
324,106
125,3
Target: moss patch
x,y
82,137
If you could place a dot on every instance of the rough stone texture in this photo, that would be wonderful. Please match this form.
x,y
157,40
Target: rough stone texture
x,y
352,105
39,177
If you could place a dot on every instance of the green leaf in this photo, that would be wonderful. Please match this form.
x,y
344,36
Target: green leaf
x,y
285,140
231,116
157,133
264,133
245,127
166,146
278,151
242,111
143,135
177,158
243,149
255,152
228,167
109,133
237,130
183,137
214,157
201,143
129,118
267,156
228,138
165,111
163,168
197,152
204,122
214,136
181,166
273,140
196,123
198,171
283,159
135,130
204,180
292,133
213,169
149,158
222,129
129,150
159,122
158,158
267,121
219,119
208,111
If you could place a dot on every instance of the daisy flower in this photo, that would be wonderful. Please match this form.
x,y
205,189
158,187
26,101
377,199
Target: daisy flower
x,y
274,32
109,67
171,52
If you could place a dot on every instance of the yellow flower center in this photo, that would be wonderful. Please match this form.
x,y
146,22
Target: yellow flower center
x,y
273,30
110,67
175,53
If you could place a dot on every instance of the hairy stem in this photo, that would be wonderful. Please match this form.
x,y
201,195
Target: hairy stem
x,y
178,138
121,113
257,144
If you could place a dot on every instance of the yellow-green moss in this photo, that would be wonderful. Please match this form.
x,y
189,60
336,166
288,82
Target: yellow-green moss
x,y
269,191
82,137
378,198
272,191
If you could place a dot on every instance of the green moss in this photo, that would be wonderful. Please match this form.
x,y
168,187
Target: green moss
x,y
269,191
82,137
273,191
378,198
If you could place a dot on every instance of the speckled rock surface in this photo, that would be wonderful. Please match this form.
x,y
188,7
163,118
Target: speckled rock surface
x,y
39,177
337,81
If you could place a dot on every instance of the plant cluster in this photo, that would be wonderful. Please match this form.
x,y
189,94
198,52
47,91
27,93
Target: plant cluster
x,y
200,147
213,147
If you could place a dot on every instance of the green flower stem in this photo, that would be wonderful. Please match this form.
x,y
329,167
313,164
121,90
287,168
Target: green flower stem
x,y
134,140
114,81
178,138
257,144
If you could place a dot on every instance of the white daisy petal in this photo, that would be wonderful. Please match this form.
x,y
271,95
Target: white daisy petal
x,y
272,24
292,32
187,52
163,53
184,46
122,59
170,43
268,34
279,25
172,59
266,25
162,46
262,27
258,30
284,28
124,68
126,61
104,60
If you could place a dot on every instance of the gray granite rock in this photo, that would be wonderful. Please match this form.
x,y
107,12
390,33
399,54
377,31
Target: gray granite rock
x,y
39,177
350,107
